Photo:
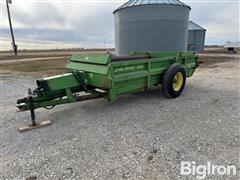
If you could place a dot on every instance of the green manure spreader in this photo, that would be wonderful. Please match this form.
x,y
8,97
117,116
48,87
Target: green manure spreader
x,y
107,76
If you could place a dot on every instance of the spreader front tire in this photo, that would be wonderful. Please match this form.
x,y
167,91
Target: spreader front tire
x,y
174,81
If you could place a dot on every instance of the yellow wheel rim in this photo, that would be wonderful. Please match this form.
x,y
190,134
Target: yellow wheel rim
x,y
178,81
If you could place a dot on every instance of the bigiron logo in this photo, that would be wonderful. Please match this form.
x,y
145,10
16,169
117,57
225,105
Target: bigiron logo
x,y
202,171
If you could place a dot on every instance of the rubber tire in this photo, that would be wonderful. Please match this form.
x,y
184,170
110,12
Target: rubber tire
x,y
167,81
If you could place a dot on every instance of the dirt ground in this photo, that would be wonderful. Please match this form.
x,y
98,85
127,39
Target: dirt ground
x,y
27,54
141,136
40,63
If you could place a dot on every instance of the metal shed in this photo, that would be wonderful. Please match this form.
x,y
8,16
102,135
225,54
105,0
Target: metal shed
x,y
196,37
151,25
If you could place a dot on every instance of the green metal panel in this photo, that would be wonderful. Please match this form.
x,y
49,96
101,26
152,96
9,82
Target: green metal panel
x,y
98,80
93,59
131,76
58,82
99,69
115,78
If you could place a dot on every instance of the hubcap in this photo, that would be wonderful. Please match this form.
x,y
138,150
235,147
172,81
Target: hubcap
x,y
178,81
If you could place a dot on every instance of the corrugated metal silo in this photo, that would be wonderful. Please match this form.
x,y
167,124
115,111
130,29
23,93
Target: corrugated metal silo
x,y
196,37
151,25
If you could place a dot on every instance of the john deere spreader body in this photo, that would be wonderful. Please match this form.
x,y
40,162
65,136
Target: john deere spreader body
x,y
107,76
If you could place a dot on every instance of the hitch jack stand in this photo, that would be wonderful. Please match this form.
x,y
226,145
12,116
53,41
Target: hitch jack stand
x,y
34,125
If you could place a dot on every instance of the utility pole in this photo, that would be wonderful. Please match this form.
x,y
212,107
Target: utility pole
x,y
14,45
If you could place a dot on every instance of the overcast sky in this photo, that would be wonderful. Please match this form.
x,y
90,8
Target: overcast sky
x,y
90,23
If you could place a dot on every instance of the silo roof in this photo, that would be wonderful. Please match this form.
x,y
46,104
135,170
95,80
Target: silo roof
x,y
132,3
194,26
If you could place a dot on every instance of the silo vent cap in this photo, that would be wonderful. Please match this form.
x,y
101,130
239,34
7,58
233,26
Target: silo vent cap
x,y
132,3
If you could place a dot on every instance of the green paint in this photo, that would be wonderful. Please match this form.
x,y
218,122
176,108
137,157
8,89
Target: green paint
x,y
116,78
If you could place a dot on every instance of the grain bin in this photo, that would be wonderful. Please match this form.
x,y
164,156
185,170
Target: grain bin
x,y
196,37
151,25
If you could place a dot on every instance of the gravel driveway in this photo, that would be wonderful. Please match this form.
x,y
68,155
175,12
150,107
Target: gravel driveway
x,y
141,136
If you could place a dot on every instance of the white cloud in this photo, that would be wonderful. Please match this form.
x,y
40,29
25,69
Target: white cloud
x,y
91,24
36,44
220,18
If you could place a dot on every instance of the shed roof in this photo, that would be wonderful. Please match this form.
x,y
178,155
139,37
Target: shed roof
x,y
194,26
132,3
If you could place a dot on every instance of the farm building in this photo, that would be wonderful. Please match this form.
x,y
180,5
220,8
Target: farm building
x,y
151,25
196,37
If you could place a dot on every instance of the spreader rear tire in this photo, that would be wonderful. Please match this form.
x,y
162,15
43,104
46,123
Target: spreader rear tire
x,y
174,81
